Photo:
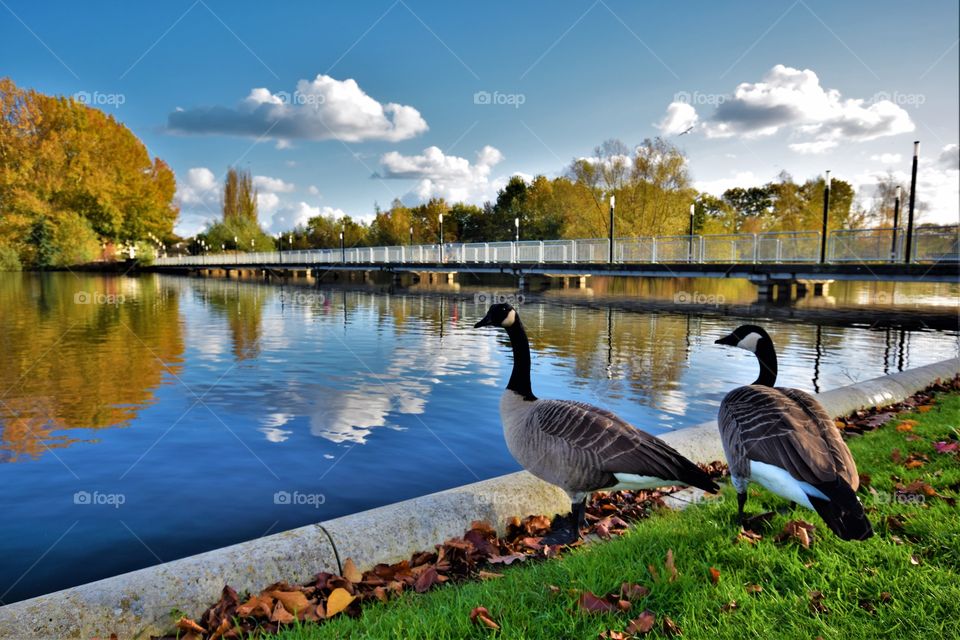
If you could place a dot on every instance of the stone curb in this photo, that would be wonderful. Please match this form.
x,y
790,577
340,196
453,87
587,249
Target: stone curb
x,y
138,604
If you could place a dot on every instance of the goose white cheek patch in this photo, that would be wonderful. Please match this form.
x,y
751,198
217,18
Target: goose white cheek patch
x,y
750,342
510,319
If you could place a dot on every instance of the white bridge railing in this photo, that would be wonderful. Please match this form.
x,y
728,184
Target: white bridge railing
x,y
843,246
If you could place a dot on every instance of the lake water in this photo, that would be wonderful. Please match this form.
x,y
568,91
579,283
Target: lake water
x,y
149,418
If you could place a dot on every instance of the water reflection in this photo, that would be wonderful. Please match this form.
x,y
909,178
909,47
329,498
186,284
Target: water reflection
x,y
80,352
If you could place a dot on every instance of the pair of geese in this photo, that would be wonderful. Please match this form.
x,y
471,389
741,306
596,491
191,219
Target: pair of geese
x,y
781,438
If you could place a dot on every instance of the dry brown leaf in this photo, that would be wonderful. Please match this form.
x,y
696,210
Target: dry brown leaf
x,y
507,559
426,580
592,603
632,591
281,615
293,601
339,600
350,571
924,408
671,567
642,624
748,536
490,575
816,602
670,627
798,530
480,615
186,624
896,456
754,588
730,606
714,575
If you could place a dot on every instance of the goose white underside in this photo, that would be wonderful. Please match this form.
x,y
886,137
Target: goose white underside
x,y
633,481
780,482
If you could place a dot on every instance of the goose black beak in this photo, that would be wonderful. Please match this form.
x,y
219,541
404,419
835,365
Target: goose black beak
x,y
730,341
486,322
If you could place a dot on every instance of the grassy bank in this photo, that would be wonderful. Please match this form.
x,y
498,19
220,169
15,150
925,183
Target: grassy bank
x,y
904,582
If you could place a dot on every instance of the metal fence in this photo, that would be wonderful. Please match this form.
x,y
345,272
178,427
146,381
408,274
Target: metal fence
x,y
929,244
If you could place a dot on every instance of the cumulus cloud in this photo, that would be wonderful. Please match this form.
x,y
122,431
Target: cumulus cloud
x,y
441,175
291,215
679,118
320,109
312,190
198,196
274,185
792,100
887,158
950,157
717,186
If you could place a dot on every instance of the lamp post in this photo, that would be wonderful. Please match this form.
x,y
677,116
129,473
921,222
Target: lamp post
x,y
343,250
441,237
411,235
613,203
693,207
516,223
236,247
826,208
913,202
280,246
896,224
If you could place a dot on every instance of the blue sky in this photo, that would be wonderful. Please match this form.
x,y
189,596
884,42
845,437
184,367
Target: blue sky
x,y
338,106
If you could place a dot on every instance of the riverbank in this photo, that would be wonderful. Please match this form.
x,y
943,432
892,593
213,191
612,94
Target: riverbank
x,y
905,581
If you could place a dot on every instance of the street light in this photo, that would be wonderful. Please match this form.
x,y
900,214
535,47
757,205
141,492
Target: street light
x,y
826,207
913,201
236,247
441,237
516,223
693,208
343,251
411,234
896,223
280,246
613,204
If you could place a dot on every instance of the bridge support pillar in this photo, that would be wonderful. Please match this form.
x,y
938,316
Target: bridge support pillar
x,y
451,277
817,287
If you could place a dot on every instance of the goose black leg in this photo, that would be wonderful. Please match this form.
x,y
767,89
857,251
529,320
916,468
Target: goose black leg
x,y
566,529
741,500
580,513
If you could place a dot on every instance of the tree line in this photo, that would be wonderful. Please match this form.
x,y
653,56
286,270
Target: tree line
x,y
74,183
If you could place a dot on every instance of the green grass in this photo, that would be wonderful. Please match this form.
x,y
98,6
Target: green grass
x,y
924,598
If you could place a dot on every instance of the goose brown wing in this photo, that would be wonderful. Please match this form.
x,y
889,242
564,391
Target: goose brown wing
x,y
613,445
771,426
846,467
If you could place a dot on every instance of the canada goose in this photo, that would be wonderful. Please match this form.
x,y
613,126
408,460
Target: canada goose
x,y
783,439
576,446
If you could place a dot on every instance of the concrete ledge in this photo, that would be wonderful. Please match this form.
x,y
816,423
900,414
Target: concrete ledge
x,y
137,604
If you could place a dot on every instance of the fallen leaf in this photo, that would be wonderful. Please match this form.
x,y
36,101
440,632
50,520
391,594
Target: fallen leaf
x,y
339,600
914,560
885,596
798,530
924,408
426,580
670,627
867,605
816,602
730,606
281,615
186,624
592,603
350,571
653,573
632,591
748,536
642,624
671,567
292,601
508,559
257,605
480,615
754,588
946,447
906,425
714,575
895,456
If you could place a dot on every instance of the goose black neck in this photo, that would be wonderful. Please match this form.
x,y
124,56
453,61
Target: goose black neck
x,y
767,356
520,377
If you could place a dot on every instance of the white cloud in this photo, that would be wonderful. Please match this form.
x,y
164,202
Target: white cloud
x,y
680,117
320,109
312,190
794,101
291,215
267,202
950,157
717,186
887,158
274,185
442,175
938,189
198,196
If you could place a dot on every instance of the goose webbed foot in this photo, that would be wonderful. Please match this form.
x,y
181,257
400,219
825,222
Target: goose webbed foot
x,y
566,529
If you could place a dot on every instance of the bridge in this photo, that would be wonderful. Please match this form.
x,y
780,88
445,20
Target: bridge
x,y
770,260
